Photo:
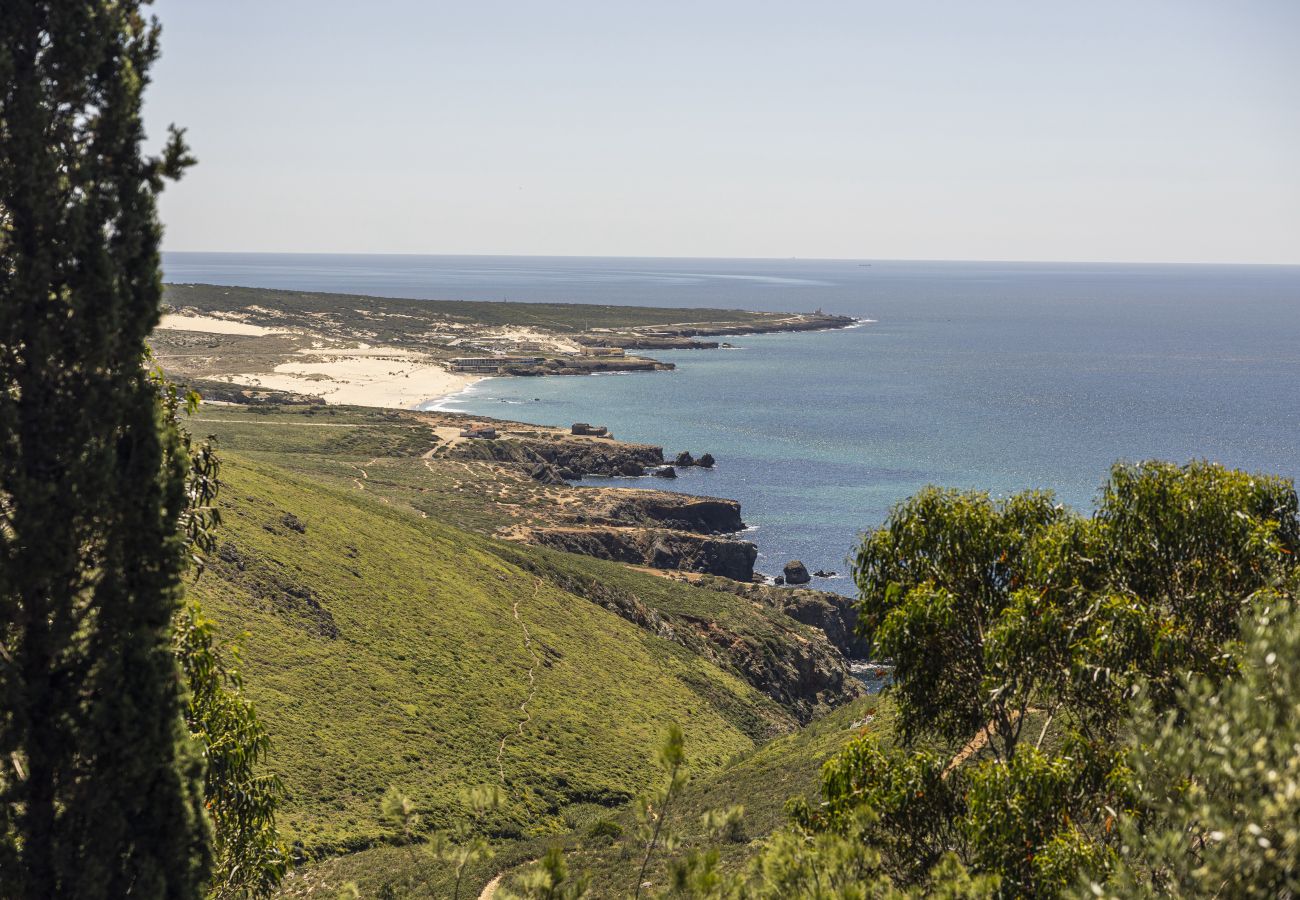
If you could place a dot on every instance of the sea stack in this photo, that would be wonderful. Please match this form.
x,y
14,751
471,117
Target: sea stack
x,y
796,573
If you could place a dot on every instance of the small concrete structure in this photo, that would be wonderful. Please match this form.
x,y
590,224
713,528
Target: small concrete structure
x,y
491,364
603,351
487,432
589,430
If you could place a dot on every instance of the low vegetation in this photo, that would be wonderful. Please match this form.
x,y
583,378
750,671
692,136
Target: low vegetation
x,y
395,320
1129,679
384,650
1044,624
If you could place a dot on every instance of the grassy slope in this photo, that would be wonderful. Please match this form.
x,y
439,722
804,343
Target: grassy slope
x,y
761,780
552,316
429,666
337,444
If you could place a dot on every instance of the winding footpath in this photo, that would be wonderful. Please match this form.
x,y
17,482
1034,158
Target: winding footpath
x,y
532,685
490,889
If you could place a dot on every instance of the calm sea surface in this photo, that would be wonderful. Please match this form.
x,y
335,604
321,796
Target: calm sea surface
x,y
998,376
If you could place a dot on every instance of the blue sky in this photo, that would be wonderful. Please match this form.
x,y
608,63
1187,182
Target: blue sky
x,y
1130,131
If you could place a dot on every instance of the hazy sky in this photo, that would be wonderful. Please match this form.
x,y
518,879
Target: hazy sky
x,y
1136,130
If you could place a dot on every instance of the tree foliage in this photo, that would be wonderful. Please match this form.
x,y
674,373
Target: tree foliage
x,y
1157,642
240,798
101,789
105,500
653,810
456,847
249,859
1219,777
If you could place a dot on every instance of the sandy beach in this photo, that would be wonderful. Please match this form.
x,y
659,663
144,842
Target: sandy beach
x,y
362,376
351,373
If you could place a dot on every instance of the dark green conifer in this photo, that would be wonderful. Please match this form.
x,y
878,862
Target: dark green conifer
x,y
100,789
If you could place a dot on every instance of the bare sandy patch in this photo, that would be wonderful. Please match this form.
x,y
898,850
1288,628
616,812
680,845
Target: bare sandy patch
x,y
214,325
543,339
362,376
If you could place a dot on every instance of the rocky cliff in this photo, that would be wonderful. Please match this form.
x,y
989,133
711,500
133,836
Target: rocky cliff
x,y
658,548
799,669
834,615
568,458
595,456
682,512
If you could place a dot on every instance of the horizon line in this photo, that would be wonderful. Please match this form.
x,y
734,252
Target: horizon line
x,y
852,259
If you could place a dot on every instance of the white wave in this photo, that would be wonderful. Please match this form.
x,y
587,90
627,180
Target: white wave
x,y
446,404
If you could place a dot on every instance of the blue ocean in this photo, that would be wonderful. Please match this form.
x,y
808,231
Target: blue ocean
x,y
995,376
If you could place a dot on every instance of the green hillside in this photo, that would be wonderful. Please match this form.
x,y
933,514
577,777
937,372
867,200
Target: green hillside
x,y
761,780
388,650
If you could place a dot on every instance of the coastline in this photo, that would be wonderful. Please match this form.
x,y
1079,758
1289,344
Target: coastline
x,y
279,354
338,373
439,404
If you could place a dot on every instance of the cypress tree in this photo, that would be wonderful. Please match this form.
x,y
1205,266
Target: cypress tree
x,y
100,789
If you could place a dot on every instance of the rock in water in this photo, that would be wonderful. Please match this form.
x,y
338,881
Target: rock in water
x,y
665,472
706,461
796,573
684,459
779,580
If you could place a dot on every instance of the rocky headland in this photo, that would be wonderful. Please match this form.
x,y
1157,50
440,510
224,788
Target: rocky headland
x,y
251,344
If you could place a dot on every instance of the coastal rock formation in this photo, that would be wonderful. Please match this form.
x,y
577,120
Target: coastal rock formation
x,y
686,459
545,473
834,615
576,365
803,676
796,572
644,342
795,322
588,457
664,472
656,548
580,456
680,512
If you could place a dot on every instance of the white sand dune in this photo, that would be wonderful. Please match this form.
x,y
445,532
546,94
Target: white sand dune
x,y
362,376
213,325
355,374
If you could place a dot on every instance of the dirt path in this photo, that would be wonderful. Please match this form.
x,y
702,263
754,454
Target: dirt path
x,y
532,685
490,889
976,744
